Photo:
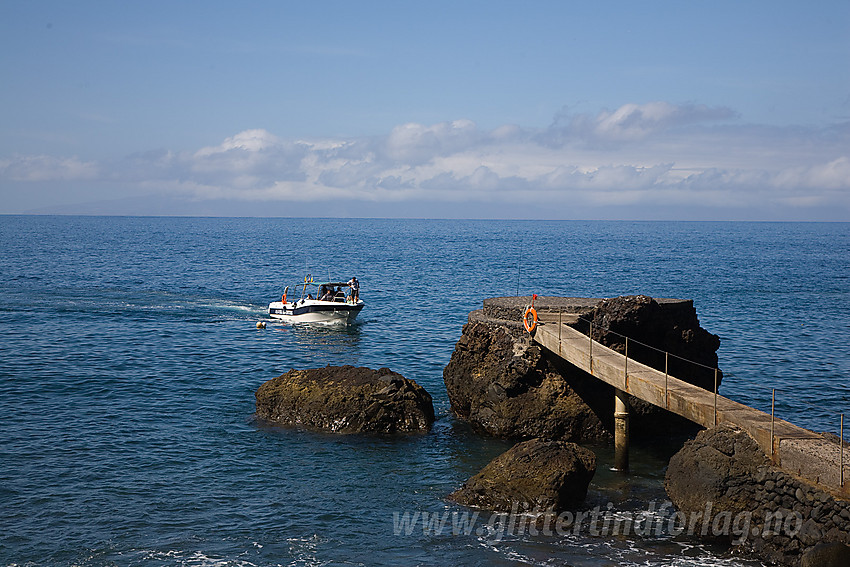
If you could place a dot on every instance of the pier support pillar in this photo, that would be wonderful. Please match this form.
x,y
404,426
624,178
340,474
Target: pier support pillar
x,y
621,430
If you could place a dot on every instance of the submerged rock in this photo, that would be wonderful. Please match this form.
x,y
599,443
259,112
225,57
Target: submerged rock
x,y
346,399
532,475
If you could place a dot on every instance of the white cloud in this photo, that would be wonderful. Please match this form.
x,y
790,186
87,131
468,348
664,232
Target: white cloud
x,y
647,155
47,168
249,141
636,122
832,175
415,143
629,123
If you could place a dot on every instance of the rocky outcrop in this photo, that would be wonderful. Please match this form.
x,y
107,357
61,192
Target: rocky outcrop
x,y
655,327
533,475
346,399
504,385
729,490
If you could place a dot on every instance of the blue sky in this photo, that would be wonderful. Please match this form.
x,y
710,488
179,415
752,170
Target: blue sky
x,y
679,110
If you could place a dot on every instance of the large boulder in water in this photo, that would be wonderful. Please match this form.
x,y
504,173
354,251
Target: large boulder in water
x,y
346,399
532,475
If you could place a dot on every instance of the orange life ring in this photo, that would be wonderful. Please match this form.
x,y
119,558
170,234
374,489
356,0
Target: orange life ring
x,y
532,324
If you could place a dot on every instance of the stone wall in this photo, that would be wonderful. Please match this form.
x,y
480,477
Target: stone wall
x,y
723,470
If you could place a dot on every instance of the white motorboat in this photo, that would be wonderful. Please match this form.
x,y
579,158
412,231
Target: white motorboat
x,y
330,305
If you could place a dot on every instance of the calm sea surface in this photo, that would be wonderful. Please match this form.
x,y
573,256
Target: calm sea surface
x,y
129,359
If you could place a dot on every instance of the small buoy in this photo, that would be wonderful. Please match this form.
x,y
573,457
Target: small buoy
x,y
261,324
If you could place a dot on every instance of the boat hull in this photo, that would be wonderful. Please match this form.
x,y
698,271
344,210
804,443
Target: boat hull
x,y
315,311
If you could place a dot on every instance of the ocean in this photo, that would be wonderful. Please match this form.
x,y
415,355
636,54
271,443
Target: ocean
x,y
129,359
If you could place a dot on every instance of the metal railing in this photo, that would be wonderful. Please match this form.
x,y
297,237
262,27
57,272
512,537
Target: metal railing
x,y
716,376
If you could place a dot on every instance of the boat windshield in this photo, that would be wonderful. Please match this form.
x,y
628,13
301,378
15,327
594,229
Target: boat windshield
x,y
325,291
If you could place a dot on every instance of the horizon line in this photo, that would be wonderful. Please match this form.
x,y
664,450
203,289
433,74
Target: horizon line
x,y
178,216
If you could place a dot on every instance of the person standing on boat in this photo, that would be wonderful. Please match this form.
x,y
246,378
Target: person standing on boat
x,y
355,289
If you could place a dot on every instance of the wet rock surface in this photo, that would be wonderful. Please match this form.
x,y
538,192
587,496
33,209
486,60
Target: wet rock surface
x,y
731,491
506,386
533,475
346,399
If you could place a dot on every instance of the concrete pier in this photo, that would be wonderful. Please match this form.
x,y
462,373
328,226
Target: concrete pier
x,y
799,451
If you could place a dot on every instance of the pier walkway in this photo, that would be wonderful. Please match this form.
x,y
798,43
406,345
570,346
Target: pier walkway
x,y
799,451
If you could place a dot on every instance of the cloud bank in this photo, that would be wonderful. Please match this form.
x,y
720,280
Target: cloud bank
x,y
646,157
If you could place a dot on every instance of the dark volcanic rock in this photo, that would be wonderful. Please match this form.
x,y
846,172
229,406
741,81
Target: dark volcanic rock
x,y
729,490
715,467
532,475
506,386
346,399
827,555
661,326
